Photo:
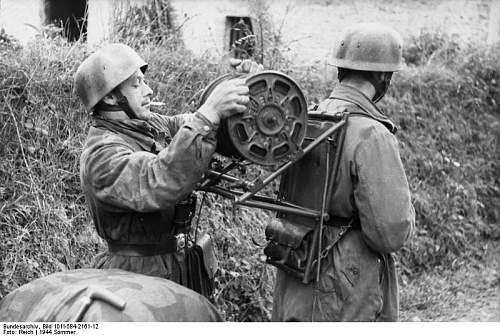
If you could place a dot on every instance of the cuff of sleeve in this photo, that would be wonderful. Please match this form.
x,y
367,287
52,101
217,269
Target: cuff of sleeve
x,y
201,125
207,122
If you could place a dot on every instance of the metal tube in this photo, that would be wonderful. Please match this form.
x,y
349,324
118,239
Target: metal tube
x,y
318,232
323,210
224,176
234,193
215,175
275,206
310,256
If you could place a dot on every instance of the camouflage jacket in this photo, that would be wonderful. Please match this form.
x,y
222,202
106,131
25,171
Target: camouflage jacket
x,y
358,278
105,296
133,173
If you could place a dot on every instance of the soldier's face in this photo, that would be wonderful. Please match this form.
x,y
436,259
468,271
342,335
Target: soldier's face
x,y
138,94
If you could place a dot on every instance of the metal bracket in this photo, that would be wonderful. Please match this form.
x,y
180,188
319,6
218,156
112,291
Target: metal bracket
x,y
251,197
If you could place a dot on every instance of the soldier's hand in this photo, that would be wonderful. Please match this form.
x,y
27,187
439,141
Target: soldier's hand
x,y
228,98
245,66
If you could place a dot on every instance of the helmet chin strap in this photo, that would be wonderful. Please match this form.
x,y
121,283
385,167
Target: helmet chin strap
x,y
122,102
102,106
380,83
341,73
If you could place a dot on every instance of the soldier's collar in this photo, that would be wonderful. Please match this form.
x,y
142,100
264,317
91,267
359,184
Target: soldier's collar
x,y
354,96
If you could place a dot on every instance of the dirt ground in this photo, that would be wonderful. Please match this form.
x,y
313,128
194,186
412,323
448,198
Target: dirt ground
x,y
471,294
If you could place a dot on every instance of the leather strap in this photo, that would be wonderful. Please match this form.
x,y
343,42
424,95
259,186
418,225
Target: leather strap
x,y
144,250
340,222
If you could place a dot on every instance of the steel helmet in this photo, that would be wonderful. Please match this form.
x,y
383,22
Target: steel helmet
x,y
104,70
369,47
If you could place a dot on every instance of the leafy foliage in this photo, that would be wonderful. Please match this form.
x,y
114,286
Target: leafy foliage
x,y
449,129
430,45
7,42
150,23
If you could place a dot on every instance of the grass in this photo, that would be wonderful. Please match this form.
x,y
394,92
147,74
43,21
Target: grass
x,y
445,103
466,294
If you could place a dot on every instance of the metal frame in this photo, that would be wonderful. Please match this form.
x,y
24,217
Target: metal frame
x,y
252,199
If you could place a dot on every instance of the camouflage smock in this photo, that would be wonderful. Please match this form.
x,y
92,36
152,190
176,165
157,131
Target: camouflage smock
x,y
112,296
358,278
132,173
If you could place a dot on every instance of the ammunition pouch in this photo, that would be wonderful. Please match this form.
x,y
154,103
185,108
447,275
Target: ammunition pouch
x,y
289,244
202,265
288,247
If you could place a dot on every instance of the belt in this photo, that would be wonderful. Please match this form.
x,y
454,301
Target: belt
x,y
170,245
340,222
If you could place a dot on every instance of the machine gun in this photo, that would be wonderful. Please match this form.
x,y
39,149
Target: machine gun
x,y
277,132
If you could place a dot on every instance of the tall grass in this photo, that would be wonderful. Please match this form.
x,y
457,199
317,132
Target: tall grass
x,y
445,103
44,225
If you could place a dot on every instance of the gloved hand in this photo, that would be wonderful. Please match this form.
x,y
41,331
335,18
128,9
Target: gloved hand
x,y
228,98
245,66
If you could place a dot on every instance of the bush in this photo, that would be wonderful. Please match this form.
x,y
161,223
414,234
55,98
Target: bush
x,y
149,24
449,119
429,45
7,43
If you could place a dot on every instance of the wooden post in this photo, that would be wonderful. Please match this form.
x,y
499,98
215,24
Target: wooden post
x,y
494,23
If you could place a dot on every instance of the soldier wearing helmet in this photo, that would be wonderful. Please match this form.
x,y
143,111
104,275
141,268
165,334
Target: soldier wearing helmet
x,y
136,165
357,279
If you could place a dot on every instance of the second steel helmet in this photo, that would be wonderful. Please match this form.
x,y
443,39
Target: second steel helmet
x,y
104,70
369,47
